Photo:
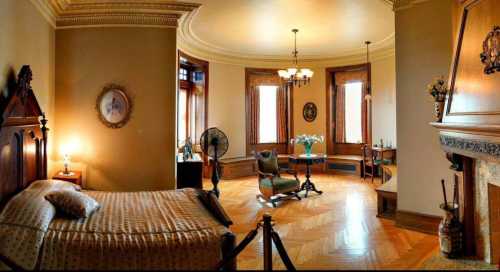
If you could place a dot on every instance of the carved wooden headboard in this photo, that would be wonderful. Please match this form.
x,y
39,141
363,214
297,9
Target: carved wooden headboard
x,y
23,138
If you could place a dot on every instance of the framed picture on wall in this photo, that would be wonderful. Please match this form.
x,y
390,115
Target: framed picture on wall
x,y
114,106
310,111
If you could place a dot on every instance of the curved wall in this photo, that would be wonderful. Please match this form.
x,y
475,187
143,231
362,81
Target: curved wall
x,y
227,97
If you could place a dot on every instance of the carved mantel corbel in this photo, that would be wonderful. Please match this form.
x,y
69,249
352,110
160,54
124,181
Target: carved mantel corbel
x,y
456,160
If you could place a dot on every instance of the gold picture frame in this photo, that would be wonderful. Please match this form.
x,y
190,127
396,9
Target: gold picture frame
x,y
114,106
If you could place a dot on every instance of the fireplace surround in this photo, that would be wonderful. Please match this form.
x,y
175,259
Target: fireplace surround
x,y
470,129
476,163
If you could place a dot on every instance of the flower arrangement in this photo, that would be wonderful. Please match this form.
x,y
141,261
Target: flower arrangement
x,y
438,89
307,141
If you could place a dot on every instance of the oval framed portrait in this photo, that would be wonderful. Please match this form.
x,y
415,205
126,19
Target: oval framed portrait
x,y
310,112
114,106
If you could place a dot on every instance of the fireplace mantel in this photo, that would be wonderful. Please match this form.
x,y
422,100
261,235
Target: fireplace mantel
x,y
474,141
471,122
470,129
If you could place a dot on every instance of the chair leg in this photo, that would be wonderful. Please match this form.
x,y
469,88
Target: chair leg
x,y
297,196
268,200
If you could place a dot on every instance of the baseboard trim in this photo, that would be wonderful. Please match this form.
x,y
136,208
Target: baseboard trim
x,y
418,222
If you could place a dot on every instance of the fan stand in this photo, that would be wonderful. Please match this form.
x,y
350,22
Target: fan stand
x,y
215,173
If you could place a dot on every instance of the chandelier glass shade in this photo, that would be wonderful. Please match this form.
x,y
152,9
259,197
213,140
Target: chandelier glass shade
x,y
296,76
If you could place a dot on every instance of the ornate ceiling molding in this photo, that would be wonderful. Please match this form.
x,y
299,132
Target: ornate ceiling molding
x,y
190,43
95,13
405,4
46,10
285,61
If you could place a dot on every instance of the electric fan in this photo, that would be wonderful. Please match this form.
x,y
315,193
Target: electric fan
x,y
214,144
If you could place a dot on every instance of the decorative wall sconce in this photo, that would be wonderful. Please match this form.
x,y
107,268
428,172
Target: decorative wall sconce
x,y
491,51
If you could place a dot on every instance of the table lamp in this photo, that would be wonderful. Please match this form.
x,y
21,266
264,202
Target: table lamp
x,y
67,161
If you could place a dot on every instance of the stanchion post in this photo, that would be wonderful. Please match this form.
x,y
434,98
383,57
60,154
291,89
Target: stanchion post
x,y
268,248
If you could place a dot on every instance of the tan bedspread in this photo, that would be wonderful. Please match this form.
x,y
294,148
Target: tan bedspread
x,y
141,230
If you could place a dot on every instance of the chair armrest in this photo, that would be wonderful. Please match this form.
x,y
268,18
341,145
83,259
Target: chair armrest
x,y
289,171
266,175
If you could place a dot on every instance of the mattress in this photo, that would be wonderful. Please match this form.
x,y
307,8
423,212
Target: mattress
x,y
131,231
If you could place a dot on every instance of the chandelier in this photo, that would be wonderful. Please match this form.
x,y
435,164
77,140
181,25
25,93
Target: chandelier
x,y
296,76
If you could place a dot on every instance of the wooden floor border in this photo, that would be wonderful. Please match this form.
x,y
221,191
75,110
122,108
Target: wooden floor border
x,y
419,222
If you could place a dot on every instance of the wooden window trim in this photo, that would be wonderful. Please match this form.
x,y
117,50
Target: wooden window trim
x,y
344,148
186,84
282,148
187,115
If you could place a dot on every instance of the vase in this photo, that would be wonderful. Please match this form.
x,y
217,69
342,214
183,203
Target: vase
x,y
438,110
450,232
308,149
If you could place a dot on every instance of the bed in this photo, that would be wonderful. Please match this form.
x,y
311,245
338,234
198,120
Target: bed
x,y
163,230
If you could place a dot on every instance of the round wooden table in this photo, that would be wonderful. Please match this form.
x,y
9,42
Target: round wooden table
x,y
308,161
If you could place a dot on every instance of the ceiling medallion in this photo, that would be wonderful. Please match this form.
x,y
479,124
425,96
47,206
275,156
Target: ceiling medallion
x,y
296,76
491,52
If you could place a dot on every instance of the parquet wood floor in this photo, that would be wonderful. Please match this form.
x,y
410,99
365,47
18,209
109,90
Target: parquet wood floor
x,y
336,230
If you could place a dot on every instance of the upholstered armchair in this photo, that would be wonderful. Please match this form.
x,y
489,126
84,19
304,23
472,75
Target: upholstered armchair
x,y
272,185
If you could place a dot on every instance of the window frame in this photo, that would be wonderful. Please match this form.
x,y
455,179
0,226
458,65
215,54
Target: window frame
x,y
281,148
360,110
186,123
332,147
194,65
276,89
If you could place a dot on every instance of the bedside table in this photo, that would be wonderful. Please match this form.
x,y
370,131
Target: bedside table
x,y
76,178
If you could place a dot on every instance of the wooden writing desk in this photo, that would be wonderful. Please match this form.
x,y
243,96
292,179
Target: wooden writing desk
x,y
382,153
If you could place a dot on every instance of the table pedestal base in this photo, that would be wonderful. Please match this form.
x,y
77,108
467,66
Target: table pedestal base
x,y
308,161
309,186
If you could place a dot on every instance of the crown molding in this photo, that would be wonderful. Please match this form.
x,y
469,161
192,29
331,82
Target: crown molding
x,y
390,3
262,62
406,4
102,13
46,11
190,43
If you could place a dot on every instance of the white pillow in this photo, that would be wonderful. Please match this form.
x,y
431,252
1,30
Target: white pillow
x,y
53,184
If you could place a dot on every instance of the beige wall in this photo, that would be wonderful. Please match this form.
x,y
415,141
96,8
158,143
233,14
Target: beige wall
x,y
423,51
227,103
139,156
384,101
27,38
314,92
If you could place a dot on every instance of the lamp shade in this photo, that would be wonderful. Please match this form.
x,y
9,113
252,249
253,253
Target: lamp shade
x,y
307,72
283,74
292,71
